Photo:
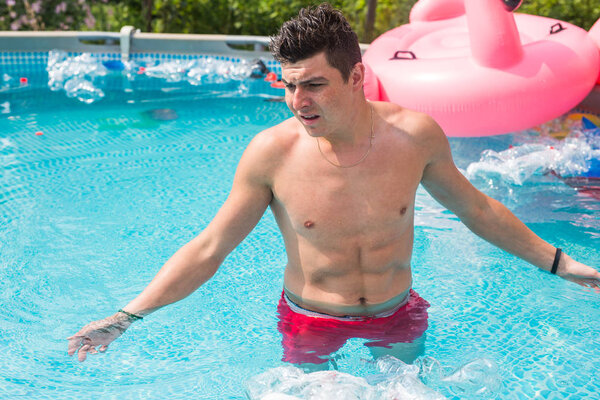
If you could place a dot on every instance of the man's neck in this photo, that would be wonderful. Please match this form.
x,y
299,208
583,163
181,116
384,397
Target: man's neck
x,y
356,132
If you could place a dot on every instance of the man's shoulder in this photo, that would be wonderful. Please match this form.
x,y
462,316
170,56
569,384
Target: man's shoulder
x,y
414,132
270,147
276,140
406,122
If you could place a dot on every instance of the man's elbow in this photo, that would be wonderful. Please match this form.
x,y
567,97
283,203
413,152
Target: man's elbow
x,y
476,212
207,254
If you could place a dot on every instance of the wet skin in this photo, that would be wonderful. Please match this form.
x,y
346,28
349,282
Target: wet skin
x,y
348,232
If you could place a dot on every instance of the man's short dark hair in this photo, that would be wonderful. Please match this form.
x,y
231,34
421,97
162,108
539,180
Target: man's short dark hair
x,y
313,31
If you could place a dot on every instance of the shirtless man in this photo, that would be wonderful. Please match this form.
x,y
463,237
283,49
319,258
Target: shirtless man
x,y
340,178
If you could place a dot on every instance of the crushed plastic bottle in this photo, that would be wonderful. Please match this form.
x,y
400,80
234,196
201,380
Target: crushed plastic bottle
x,y
570,157
7,81
477,379
83,90
78,76
75,75
201,71
170,71
10,83
322,385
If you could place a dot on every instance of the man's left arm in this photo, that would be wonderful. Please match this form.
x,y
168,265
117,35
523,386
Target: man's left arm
x,y
489,218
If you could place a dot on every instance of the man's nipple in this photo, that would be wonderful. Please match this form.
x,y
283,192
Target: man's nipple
x,y
309,224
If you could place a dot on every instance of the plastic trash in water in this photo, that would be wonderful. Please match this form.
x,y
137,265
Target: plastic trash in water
x,y
211,70
6,82
170,71
83,90
294,383
259,69
477,379
75,75
207,70
62,68
113,65
587,124
197,72
570,157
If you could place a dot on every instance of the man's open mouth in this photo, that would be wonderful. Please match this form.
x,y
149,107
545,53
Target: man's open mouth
x,y
309,117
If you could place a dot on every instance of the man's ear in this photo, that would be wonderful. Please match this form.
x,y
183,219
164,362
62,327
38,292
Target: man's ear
x,y
357,76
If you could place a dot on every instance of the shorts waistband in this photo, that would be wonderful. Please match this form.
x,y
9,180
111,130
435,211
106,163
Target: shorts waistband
x,y
309,313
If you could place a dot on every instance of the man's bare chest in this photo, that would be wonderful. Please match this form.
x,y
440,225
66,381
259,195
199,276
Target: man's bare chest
x,y
346,203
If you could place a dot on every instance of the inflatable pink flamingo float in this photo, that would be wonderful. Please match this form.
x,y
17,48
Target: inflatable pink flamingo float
x,y
479,69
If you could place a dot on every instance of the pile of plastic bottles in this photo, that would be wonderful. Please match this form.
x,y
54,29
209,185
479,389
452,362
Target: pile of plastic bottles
x,y
81,76
75,75
574,153
425,379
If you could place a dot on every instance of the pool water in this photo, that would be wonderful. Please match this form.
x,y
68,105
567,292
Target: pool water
x,y
95,198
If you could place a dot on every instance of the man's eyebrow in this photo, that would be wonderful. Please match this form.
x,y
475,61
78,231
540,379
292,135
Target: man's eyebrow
x,y
307,81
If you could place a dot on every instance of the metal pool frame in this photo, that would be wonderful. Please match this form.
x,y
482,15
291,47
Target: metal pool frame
x,y
130,40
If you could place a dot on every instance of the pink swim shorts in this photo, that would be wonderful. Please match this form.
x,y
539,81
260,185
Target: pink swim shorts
x,y
309,337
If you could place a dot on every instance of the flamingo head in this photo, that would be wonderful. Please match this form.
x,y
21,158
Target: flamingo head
x,y
511,5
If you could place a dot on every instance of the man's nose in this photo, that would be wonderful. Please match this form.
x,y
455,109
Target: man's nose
x,y
300,99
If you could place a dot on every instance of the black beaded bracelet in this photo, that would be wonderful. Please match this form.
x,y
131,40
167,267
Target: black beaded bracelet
x,y
556,261
130,315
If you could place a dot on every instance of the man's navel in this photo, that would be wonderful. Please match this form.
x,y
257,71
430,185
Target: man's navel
x,y
403,210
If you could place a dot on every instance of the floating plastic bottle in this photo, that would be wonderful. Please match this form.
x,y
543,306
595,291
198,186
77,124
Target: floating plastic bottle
x,y
86,70
477,379
570,157
83,90
75,75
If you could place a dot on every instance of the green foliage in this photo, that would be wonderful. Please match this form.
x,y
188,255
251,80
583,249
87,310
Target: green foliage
x,y
46,15
239,17
263,17
235,17
582,13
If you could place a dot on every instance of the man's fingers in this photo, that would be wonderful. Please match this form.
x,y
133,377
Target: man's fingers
x,y
82,354
591,283
103,348
74,344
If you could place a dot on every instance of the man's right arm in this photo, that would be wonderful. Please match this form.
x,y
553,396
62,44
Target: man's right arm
x,y
197,261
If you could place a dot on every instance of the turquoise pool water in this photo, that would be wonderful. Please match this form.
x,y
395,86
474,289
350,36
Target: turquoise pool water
x,y
92,207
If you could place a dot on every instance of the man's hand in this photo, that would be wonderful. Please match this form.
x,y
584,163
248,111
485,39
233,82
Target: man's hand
x,y
98,333
579,273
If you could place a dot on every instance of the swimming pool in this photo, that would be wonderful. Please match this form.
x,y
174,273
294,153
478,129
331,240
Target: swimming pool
x,y
93,205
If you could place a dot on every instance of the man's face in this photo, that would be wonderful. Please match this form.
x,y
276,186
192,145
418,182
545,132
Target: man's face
x,y
317,94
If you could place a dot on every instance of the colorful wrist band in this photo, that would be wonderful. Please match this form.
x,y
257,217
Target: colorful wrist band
x,y
556,261
130,315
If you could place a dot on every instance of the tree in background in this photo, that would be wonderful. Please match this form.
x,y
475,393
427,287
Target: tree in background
x,y
582,13
264,17
369,18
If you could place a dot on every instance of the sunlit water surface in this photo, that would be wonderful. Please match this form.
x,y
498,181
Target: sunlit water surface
x,y
98,200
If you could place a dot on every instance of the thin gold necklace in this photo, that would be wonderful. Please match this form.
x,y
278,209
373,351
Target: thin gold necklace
x,y
371,137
